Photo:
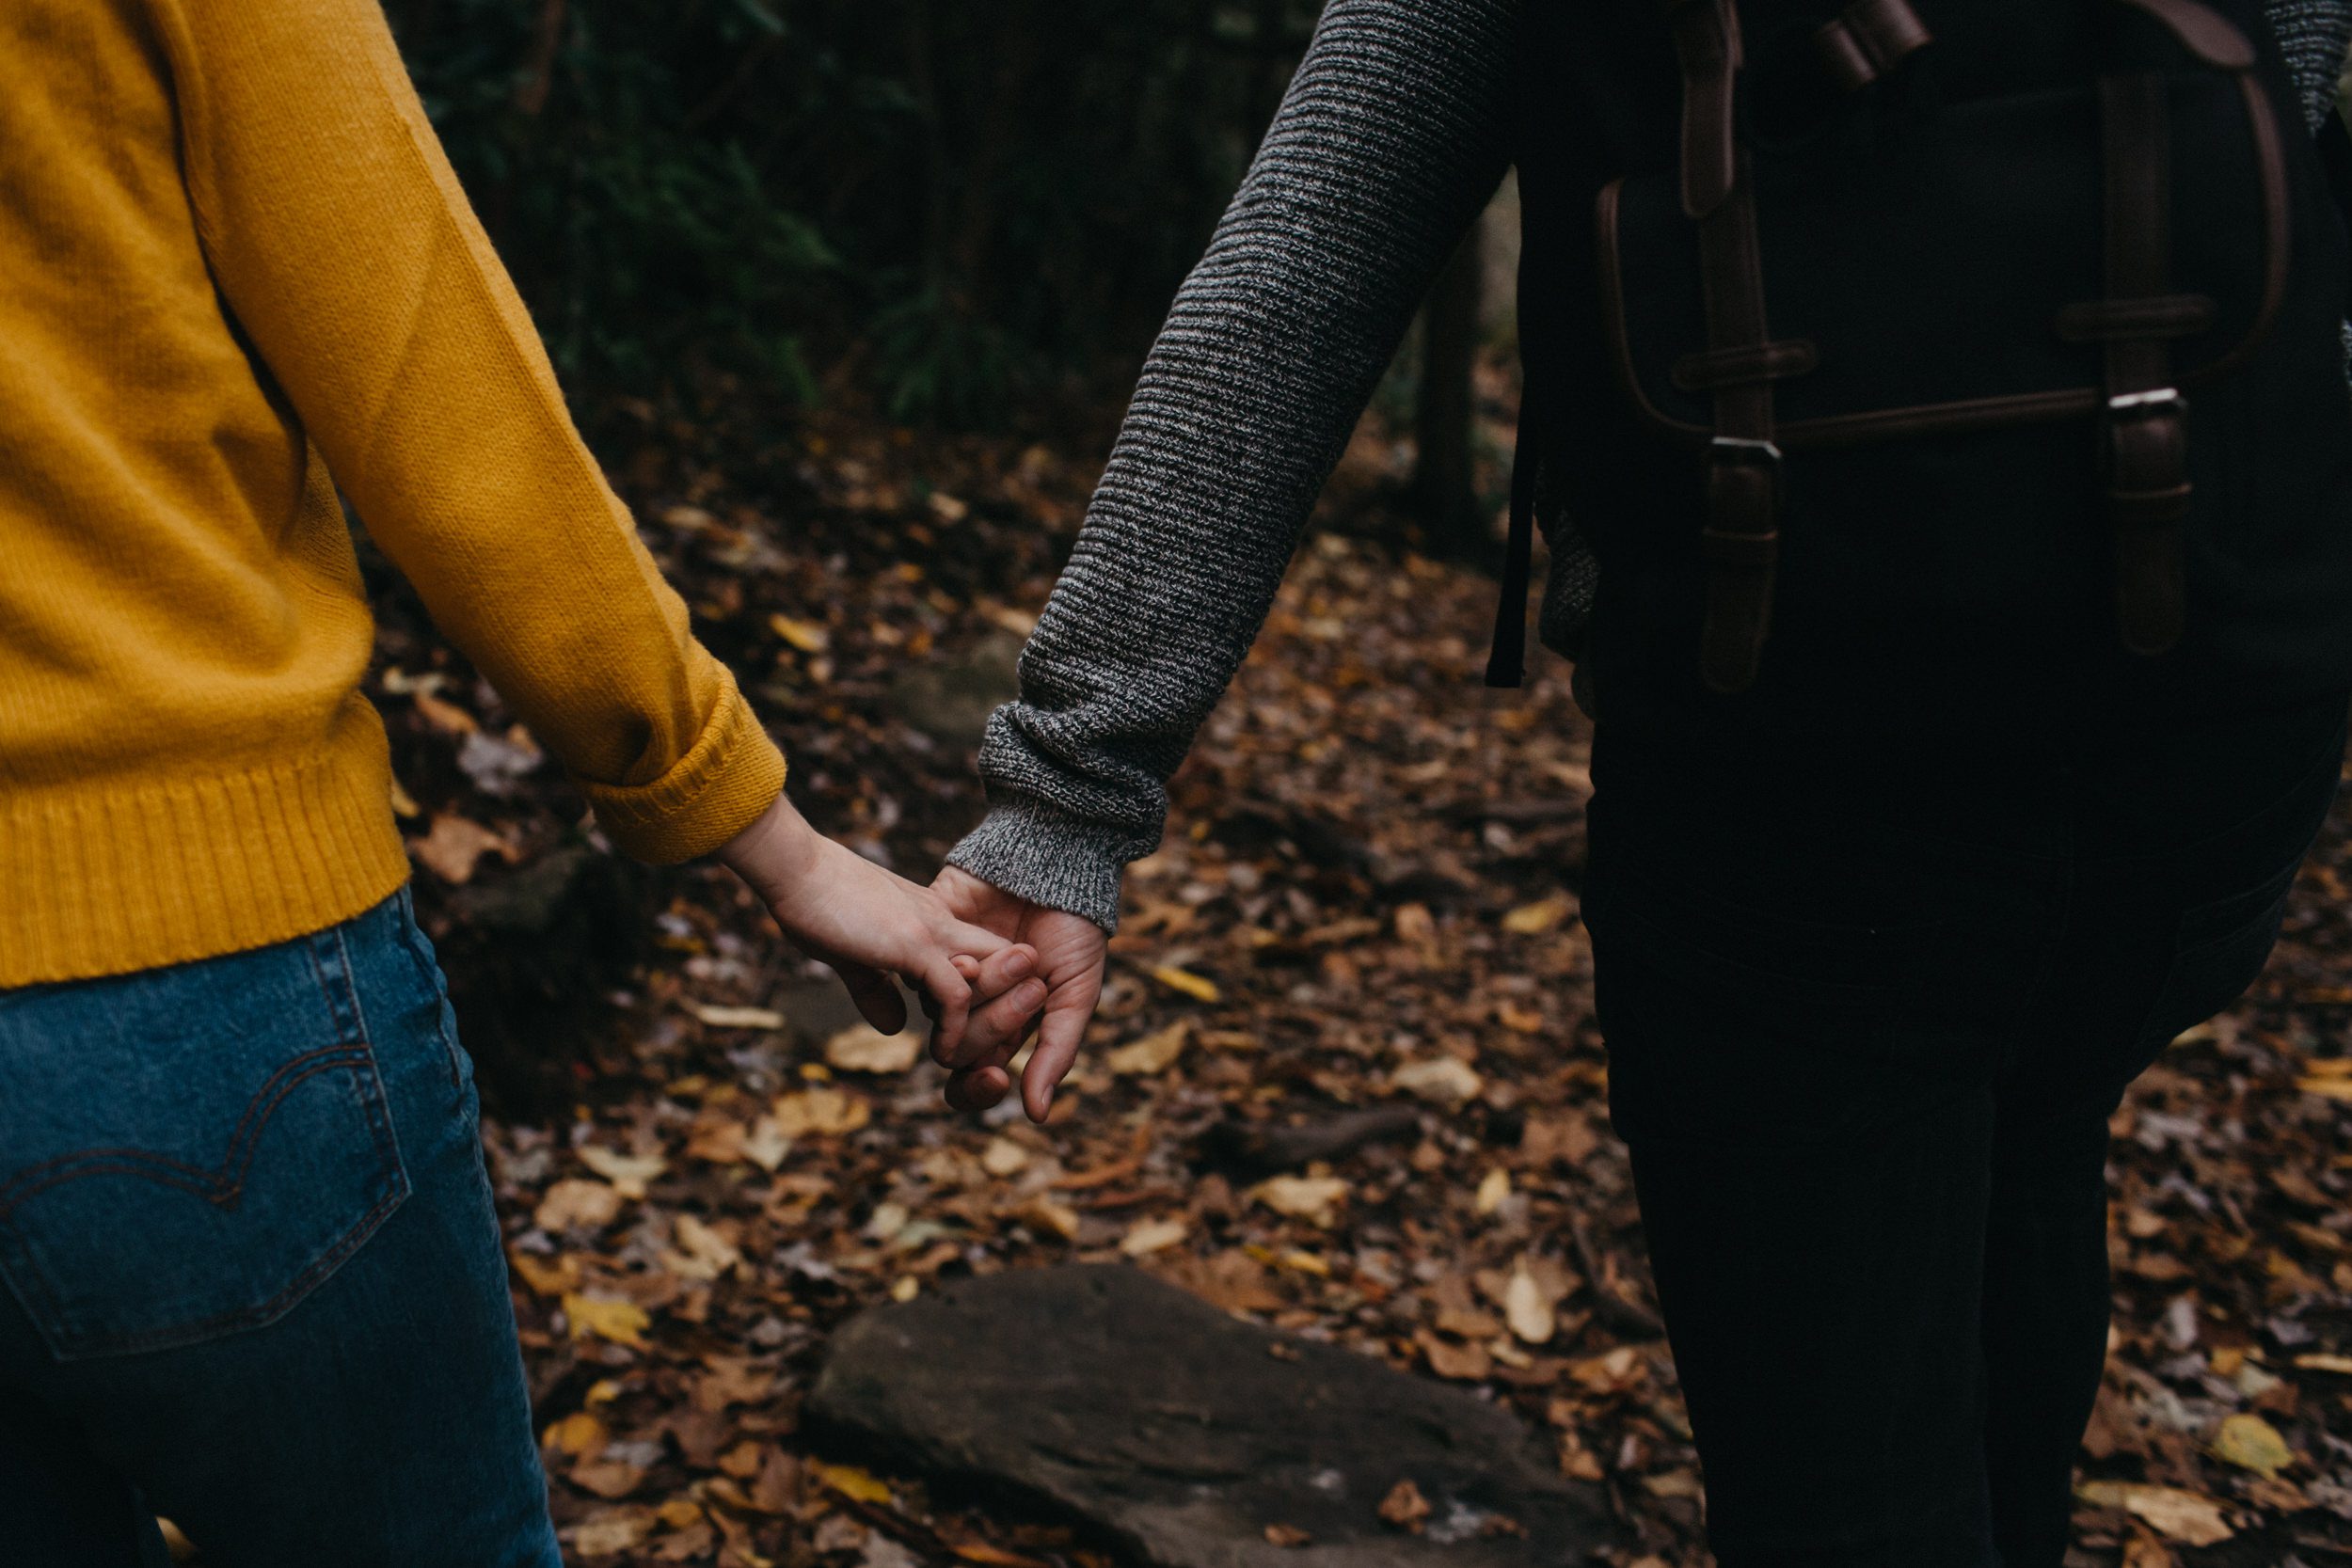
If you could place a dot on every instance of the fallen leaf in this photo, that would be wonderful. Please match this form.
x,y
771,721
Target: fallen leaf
x,y
452,848
994,1556
1155,1053
1003,1157
2253,1444
1187,981
830,1113
578,1435
610,1533
1462,1363
710,1253
542,1277
1149,1236
628,1173
573,1204
1534,919
2178,1515
851,1481
1494,1191
807,636
2318,1362
1405,1507
768,1145
609,1479
622,1321
1289,1537
1530,1315
1304,1197
1443,1081
2333,1087
866,1049
738,1018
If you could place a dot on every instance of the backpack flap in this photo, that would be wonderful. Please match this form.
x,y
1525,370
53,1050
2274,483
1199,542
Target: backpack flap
x,y
1950,274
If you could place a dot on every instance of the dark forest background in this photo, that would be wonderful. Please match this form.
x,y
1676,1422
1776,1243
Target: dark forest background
x,y
938,206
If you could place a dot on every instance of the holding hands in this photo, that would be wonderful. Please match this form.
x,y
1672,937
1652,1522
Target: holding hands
x,y
870,924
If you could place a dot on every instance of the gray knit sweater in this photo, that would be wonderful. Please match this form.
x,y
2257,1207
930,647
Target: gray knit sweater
x,y
1393,136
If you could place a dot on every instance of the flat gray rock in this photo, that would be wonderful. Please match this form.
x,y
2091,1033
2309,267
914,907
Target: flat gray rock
x,y
1184,1433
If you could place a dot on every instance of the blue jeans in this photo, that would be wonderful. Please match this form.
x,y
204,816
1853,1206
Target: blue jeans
x,y
253,1274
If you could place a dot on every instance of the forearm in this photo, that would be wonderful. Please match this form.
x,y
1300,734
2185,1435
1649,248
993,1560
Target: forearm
x,y
352,260
1392,138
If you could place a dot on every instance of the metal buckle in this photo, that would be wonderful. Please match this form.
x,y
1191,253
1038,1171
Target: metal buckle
x,y
2162,398
1744,449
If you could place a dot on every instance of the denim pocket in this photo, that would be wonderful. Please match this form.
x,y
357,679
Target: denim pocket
x,y
188,1151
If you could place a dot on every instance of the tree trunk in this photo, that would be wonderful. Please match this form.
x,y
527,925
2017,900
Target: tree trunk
x,y
1445,481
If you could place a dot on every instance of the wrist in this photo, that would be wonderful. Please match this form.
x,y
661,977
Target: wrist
x,y
776,853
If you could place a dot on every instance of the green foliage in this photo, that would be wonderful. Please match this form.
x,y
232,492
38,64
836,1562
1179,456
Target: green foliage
x,y
947,203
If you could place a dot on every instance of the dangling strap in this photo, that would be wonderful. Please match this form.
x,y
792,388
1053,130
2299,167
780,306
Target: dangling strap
x,y
1506,665
2146,421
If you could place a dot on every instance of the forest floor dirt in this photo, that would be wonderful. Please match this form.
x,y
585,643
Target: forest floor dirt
x,y
1367,898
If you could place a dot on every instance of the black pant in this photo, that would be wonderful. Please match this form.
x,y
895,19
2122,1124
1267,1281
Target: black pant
x,y
1866,1021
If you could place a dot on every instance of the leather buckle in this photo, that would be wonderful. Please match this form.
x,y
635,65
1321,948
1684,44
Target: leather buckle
x,y
2147,457
1727,452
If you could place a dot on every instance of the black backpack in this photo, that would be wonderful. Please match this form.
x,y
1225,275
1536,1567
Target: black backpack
x,y
1885,352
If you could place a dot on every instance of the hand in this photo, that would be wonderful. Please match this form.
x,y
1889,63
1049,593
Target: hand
x,y
1071,952
870,924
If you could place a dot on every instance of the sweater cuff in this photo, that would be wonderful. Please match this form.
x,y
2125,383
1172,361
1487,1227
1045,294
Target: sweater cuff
x,y
1051,859
719,788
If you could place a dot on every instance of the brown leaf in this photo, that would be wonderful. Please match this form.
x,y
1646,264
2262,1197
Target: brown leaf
x,y
455,847
1405,1507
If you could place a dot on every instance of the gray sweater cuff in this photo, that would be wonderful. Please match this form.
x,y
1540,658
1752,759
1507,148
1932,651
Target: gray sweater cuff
x,y
1060,861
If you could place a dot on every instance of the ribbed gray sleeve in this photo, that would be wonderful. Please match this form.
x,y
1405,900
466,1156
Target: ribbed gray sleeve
x,y
1393,137
2313,35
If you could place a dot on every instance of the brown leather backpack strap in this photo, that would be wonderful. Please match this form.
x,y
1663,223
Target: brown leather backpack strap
x,y
2146,419
1741,540
1869,39
1707,42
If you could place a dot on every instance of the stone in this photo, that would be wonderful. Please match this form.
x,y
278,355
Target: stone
x,y
1189,1438
949,698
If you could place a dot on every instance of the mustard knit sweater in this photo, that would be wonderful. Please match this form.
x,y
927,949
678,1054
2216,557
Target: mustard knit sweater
x,y
236,273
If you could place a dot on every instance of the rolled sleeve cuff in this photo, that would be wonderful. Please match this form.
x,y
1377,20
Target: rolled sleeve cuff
x,y
719,788
1051,859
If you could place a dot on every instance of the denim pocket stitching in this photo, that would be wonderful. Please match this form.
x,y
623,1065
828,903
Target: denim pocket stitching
x,y
330,961
214,1186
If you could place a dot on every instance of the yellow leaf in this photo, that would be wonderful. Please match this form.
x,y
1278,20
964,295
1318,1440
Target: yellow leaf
x,y
738,1018
1184,980
1149,1236
866,1049
2333,1087
1494,1190
542,1277
578,1435
1305,1198
2253,1444
703,1252
2317,1362
2178,1515
851,1481
807,636
1534,919
403,804
906,1289
624,1322
1155,1053
628,1173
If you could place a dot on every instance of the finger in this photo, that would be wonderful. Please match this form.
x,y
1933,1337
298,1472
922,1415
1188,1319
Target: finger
x,y
958,936
952,995
994,980
995,1025
876,999
980,1089
1058,1036
1002,971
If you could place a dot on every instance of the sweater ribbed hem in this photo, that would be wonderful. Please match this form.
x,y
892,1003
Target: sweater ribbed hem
x,y
1059,861
733,774
98,880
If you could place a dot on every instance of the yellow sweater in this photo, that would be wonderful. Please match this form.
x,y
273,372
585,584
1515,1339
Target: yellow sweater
x,y
235,273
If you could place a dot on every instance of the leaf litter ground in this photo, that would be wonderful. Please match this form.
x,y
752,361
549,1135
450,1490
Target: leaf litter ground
x,y
1346,1078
